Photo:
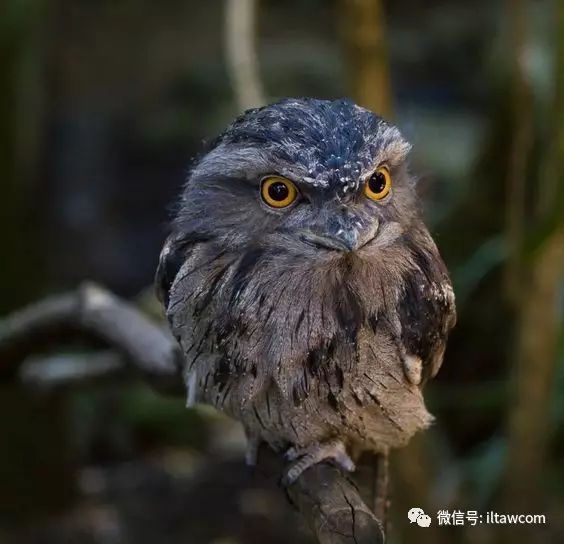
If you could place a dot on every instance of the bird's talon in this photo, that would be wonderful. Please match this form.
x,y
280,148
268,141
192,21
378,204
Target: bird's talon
x,y
292,454
333,450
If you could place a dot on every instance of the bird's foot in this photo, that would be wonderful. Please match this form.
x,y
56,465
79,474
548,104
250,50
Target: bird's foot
x,y
316,453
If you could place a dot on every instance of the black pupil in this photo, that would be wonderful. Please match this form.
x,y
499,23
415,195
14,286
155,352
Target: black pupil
x,y
377,182
278,191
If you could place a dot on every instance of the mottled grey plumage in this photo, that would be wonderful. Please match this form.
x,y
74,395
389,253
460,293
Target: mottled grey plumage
x,y
306,344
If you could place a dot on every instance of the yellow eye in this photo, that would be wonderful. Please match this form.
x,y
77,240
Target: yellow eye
x,y
278,192
378,185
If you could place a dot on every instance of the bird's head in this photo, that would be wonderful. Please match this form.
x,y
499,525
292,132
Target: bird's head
x,y
296,229
311,178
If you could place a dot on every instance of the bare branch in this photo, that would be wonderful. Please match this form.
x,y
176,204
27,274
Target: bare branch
x,y
95,313
333,507
47,373
240,52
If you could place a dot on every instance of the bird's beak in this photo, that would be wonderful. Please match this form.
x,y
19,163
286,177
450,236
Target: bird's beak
x,y
340,234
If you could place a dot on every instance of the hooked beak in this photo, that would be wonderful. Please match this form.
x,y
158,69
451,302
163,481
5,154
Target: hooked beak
x,y
346,241
341,234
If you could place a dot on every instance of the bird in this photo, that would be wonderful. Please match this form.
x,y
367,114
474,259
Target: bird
x,y
308,297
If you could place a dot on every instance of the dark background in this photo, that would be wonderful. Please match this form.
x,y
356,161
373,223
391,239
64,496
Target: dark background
x,y
103,103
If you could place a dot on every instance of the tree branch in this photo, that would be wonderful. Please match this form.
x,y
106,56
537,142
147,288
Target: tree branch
x,y
95,313
333,507
52,372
